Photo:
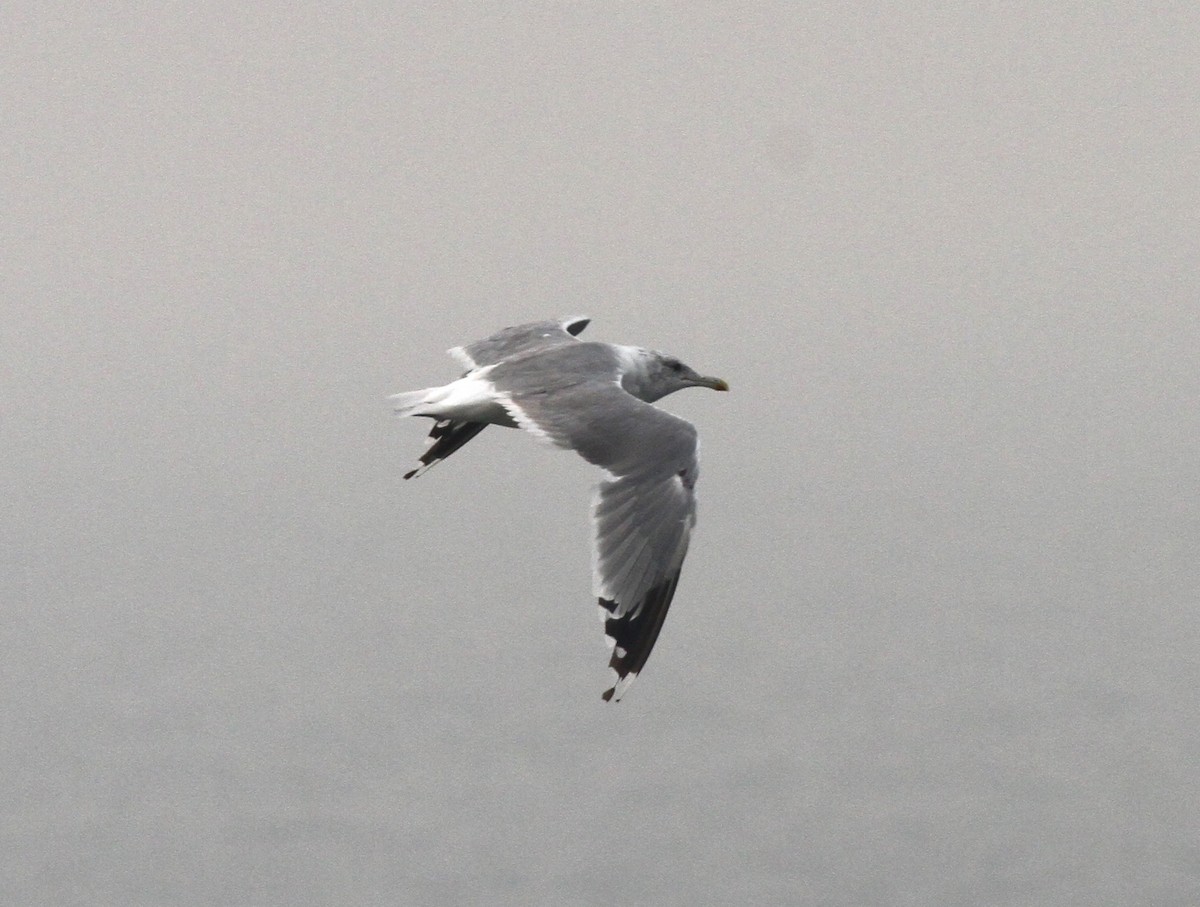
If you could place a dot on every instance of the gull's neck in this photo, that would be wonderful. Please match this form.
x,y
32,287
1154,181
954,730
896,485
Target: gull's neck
x,y
635,372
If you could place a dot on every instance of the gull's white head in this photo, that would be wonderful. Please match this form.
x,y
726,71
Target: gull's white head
x,y
650,375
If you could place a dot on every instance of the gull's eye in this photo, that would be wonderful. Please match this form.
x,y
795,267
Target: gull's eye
x,y
675,365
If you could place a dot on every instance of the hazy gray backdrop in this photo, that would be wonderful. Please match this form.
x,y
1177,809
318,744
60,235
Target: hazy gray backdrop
x,y
937,641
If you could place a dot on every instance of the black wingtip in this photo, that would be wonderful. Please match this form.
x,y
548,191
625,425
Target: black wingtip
x,y
574,326
445,438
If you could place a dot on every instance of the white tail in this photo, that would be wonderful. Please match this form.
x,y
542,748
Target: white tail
x,y
469,399
410,403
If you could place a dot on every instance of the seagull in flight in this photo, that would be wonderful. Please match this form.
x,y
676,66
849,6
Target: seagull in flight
x,y
594,399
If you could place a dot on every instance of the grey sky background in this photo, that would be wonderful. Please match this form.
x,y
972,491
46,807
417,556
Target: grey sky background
x,y
937,639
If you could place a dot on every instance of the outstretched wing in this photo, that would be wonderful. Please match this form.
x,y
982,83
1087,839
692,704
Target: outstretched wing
x,y
643,511
516,341
642,524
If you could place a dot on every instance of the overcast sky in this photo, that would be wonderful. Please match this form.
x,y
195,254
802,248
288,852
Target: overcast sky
x,y
937,640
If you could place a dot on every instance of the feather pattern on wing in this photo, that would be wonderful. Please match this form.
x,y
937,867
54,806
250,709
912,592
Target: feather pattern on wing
x,y
643,511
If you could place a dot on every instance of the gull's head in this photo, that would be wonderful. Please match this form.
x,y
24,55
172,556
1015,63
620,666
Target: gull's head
x,y
657,374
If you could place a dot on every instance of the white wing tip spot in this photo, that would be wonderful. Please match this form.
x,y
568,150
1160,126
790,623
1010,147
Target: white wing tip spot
x,y
610,641
619,687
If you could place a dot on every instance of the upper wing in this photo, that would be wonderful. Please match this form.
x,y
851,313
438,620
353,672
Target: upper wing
x,y
644,509
523,338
